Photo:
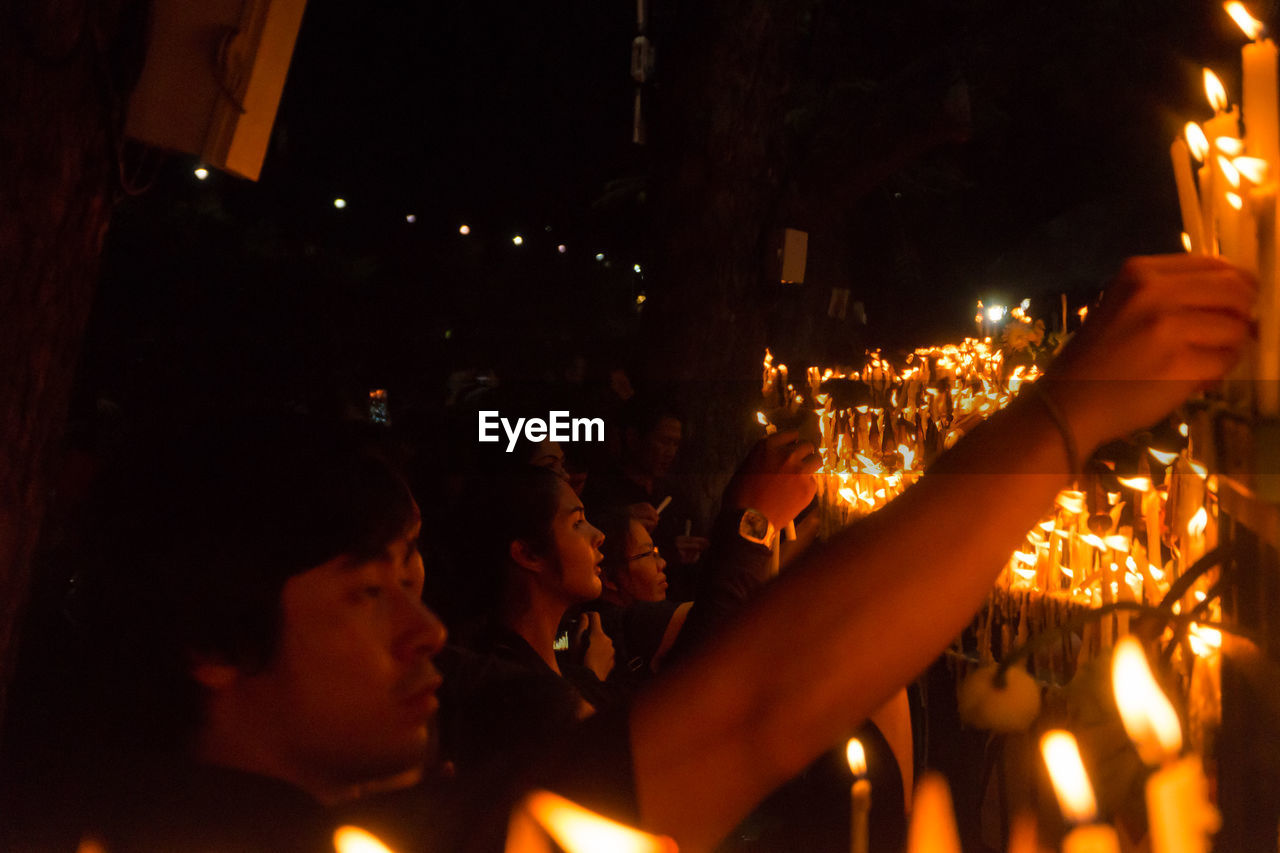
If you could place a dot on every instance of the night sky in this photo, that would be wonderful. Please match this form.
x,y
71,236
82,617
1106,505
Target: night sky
x,y
516,118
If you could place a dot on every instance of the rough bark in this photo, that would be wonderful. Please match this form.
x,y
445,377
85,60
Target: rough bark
x,y
66,67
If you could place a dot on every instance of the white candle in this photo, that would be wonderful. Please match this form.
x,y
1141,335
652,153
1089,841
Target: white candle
x,y
1075,796
1179,815
859,797
1188,201
1225,123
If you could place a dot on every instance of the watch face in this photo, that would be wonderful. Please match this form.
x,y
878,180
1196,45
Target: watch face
x,y
754,526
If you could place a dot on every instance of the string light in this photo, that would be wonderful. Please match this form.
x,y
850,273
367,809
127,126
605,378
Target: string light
x,y
340,203
518,240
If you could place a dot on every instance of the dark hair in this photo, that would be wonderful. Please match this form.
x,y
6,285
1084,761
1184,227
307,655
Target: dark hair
x,y
199,531
615,524
643,414
498,507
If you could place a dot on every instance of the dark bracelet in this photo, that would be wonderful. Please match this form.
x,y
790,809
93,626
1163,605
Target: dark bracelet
x,y
1059,420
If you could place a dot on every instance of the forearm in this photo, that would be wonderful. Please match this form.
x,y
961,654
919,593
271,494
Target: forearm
x,y
859,618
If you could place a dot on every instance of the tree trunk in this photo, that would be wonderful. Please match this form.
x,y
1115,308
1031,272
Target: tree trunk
x,y
719,153
66,68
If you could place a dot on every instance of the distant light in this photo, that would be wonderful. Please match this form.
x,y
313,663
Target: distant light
x,y
562,248
339,203
448,334
411,218
547,229
640,299
600,256
464,230
1025,304
201,173
995,313
518,240
636,268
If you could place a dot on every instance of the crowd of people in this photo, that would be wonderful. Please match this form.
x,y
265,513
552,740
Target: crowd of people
x,y
260,657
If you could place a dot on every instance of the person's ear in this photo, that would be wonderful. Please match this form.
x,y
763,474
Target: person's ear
x,y
525,556
213,672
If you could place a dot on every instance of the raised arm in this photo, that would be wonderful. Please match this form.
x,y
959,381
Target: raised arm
x,y
826,644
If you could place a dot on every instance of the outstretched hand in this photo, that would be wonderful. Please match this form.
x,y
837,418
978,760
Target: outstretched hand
x,y
1167,326
776,478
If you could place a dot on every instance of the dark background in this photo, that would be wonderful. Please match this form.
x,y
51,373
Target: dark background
x,y
516,118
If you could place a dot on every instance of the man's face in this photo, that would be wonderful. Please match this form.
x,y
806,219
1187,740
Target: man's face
x,y
659,445
350,693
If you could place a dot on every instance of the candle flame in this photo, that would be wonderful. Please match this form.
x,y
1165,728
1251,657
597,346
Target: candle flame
x,y
856,756
763,421
1196,526
1235,201
579,830
1025,558
1138,484
353,839
1196,141
1203,640
1070,782
1251,26
1215,91
1229,172
1157,573
1071,501
1254,169
1228,145
1117,542
1186,242
1161,456
1198,469
1148,718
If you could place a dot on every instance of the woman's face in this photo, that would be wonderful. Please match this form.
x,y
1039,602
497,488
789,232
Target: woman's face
x,y
577,547
642,578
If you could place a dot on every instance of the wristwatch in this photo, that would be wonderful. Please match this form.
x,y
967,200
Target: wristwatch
x,y
755,527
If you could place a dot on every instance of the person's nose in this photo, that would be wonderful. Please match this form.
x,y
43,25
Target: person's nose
x,y
420,630
597,537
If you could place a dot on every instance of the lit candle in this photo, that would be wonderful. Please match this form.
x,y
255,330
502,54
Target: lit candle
x,y
1075,796
353,839
1225,123
1261,96
543,816
1179,813
859,796
933,820
1188,201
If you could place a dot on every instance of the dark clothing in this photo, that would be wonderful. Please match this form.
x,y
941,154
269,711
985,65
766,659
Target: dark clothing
x,y
181,806
500,699
636,631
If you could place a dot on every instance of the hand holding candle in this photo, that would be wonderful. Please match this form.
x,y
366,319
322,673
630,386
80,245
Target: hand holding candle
x,y
543,815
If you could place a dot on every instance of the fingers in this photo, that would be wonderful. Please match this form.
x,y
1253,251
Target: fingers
x,y
1212,330
1221,290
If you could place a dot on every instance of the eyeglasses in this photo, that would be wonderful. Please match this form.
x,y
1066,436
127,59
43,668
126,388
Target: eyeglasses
x,y
652,552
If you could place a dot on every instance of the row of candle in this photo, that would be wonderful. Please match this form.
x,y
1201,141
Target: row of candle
x,y
1228,202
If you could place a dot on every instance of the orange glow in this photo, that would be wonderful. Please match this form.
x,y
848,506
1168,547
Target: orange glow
x,y
1235,201
1251,26
1254,169
1148,718
1196,526
1186,241
1161,456
1229,171
1215,91
856,756
1071,501
1196,141
353,839
1204,641
1070,782
580,830
1140,484
1229,145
